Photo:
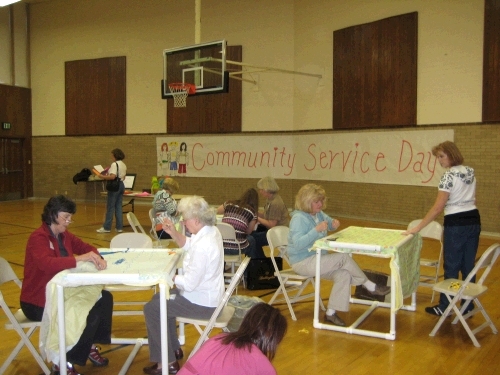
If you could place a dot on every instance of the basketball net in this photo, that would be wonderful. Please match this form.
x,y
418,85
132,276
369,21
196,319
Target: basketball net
x,y
180,92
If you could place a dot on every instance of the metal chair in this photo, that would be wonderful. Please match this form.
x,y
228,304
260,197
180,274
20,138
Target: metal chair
x,y
18,322
135,224
133,241
228,234
458,290
433,231
221,316
277,238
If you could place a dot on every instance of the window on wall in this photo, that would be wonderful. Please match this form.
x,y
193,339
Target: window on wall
x,y
375,74
96,96
491,65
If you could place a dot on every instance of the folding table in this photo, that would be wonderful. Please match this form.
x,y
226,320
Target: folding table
x,y
128,267
403,253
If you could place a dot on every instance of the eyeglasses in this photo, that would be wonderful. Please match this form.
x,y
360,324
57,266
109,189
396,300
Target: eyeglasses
x,y
67,219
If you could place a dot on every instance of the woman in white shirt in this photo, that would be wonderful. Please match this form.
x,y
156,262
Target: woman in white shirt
x,y
462,222
115,198
199,289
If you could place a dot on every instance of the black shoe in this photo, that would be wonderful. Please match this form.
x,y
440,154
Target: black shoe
x,y
335,320
434,310
380,290
179,354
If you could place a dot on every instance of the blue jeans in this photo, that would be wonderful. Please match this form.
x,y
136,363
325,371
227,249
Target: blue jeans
x,y
460,248
114,207
260,241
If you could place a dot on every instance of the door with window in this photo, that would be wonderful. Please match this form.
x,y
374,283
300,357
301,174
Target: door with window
x,y
11,169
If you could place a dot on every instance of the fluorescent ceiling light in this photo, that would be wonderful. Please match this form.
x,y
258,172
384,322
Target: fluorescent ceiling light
x,y
7,2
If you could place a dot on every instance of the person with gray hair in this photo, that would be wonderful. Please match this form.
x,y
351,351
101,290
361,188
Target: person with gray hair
x,y
275,212
199,289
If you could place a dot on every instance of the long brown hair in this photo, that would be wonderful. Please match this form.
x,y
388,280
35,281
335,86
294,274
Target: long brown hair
x,y
264,326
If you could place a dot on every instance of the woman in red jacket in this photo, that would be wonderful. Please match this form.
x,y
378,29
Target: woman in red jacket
x,y
50,250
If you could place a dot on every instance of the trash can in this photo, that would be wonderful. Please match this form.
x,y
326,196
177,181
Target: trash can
x,y
241,306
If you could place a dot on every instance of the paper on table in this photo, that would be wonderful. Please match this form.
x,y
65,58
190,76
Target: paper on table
x,y
98,169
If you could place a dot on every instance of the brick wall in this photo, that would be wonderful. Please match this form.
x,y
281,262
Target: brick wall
x,y
57,159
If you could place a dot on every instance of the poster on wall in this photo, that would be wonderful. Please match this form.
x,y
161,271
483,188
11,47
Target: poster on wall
x,y
391,157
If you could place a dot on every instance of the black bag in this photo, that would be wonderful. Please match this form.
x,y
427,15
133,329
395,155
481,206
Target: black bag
x,y
114,185
378,278
83,175
260,273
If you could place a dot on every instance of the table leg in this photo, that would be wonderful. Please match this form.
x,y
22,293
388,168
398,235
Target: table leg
x,y
62,330
163,324
317,286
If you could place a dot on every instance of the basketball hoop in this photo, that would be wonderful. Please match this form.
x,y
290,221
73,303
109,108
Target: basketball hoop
x,y
180,92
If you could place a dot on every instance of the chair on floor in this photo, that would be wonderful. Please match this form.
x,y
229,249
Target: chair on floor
x,y
161,243
133,241
433,231
277,238
18,322
221,316
128,207
135,224
228,234
458,290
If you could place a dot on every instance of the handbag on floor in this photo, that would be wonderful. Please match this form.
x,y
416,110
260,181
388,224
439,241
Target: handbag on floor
x,y
260,273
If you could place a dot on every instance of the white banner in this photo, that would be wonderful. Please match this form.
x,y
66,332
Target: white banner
x,y
395,157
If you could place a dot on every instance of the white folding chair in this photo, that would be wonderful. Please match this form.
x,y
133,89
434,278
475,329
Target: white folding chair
x,y
132,241
221,316
458,290
159,243
18,322
134,223
277,238
228,234
434,232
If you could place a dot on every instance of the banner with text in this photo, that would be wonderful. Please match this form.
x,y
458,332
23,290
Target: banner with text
x,y
395,157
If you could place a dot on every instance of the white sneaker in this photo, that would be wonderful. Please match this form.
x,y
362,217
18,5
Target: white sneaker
x,y
119,230
102,230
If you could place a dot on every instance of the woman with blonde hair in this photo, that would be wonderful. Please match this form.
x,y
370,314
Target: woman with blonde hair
x,y
309,223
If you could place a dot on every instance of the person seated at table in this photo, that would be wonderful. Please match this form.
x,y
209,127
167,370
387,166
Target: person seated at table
x,y
242,215
309,223
248,351
165,206
275,212
199,289
51,249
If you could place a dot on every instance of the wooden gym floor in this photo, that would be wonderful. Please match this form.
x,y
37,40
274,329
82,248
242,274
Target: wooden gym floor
x,y
304,350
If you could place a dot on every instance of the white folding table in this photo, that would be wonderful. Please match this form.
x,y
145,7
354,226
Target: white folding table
x,y
128,267
404,255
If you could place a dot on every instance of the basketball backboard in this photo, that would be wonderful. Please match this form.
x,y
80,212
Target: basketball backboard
x,y
202,65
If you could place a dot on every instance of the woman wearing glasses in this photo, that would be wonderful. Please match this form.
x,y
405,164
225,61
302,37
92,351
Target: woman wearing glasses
x,y
50,250
199,289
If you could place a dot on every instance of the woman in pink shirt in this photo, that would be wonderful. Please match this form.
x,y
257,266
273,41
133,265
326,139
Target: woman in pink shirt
x,y
248,351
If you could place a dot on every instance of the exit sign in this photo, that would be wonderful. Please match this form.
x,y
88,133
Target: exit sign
x,y
5,125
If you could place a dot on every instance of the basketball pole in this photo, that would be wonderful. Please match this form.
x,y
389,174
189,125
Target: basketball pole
x,y
197,36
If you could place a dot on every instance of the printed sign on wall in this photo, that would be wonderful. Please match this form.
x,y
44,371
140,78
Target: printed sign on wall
x,y
396,157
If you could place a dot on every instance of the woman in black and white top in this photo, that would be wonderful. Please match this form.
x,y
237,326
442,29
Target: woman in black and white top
x,y
115,198
462,223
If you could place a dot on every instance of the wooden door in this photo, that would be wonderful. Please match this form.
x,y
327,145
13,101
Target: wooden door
x,y
11,169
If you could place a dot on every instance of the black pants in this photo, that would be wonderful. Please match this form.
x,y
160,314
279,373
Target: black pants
x,y
97,330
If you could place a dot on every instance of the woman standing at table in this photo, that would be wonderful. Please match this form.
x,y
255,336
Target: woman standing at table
x,y
248,351
462,222
309,223
51,249
115,198
199,289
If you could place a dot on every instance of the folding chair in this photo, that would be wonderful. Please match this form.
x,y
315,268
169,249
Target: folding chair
x,y
433,231
135,224
18,321
457,290
277,238
229,235
221,316
160,243
133,241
